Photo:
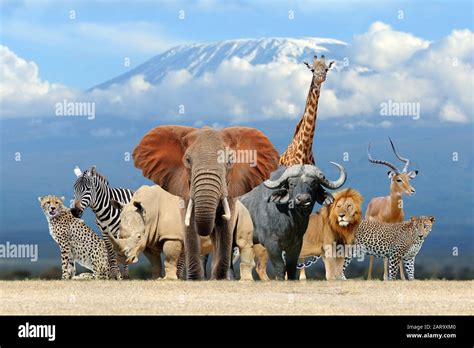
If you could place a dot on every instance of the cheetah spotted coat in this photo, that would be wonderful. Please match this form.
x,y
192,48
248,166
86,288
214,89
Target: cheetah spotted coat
x,y
77,242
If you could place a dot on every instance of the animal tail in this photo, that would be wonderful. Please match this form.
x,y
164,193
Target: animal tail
x,y
308,263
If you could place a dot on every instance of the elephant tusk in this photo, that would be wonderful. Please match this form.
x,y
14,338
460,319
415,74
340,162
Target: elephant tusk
x,y
187,218
225,203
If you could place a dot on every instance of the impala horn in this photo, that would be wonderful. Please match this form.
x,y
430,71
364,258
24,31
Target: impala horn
x,y
388,164
406,160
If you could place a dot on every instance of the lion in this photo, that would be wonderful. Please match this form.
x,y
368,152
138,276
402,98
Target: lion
x,y
330,230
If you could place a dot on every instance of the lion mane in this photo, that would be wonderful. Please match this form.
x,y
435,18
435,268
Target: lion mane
x,y
323,228
345,234
324,233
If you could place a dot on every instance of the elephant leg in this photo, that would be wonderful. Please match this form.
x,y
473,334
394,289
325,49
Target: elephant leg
x,y
222,251
182,266
261,256
192,247
156,263
172,249
204,259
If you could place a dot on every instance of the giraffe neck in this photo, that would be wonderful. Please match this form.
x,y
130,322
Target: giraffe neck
x,y
311,110
311,104
300,150
307,125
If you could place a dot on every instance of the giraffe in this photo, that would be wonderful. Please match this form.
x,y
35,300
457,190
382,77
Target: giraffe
x,y
300,151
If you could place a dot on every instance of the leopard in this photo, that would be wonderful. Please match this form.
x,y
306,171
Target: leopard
x,y
396,241
77,242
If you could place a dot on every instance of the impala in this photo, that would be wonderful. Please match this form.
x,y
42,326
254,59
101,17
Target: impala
x,y
390,208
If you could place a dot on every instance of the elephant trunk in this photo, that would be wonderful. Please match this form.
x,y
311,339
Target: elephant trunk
x,y
206,193
205,214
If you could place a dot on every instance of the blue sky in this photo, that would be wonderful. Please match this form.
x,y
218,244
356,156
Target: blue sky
x,y
90,49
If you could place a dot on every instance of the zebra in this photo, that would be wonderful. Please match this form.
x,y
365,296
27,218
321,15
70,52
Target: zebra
x,y
92,189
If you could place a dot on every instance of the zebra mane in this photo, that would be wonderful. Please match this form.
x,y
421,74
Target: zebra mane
x,y
102,178
85,176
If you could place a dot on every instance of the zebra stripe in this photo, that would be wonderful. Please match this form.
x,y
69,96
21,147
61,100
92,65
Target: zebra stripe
x,y
92,189
95,192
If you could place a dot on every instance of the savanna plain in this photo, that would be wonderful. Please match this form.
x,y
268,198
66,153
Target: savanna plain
x,y
155,297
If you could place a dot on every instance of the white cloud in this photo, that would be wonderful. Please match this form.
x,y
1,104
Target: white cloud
x,y
18,75
385,64
238,91
382,48
439,76
22,92
451,112
448,66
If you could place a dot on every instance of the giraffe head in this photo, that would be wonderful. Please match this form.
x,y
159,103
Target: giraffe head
x,y
319,69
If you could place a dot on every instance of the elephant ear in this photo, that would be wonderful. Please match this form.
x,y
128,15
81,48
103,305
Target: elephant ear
x,y
160,157
243,177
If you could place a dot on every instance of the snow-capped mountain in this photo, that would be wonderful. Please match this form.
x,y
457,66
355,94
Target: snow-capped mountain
x,y
201,58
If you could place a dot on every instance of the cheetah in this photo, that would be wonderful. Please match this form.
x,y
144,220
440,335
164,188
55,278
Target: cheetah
x,y
77,242
397,241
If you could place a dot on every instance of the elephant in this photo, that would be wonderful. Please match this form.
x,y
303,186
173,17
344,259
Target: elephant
x,y
209,168
152,223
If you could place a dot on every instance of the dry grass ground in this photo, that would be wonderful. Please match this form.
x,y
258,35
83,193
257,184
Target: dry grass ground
x,y
236,298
